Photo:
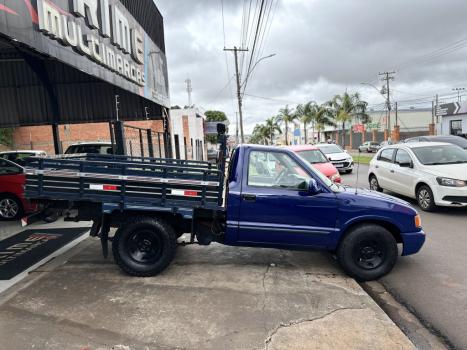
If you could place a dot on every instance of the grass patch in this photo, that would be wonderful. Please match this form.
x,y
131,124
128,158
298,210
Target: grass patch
x,y
362,158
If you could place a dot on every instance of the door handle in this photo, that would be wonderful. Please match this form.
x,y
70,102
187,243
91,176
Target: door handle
x,y
249,197
392,171
376,166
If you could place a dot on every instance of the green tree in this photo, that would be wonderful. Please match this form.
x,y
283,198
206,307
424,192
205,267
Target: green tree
x,y
214,116
347,106
260,135
307,114
323,118
6,136
272,126
286,116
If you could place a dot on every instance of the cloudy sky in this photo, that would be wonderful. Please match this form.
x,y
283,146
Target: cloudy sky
x,y
321,47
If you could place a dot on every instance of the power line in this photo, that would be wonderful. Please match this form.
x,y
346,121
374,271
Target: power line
x,y
255,39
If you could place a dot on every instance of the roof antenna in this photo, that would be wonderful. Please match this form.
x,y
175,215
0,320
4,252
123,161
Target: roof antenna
x,y
358,170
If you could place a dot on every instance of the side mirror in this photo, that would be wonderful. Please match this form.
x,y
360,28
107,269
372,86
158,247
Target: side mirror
x,y
313,187
406,165
345,151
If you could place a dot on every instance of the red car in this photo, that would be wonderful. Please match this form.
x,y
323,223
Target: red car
x,y
13,205
318,160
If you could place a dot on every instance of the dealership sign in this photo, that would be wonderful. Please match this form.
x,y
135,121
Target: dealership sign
x,y
454,108
99,37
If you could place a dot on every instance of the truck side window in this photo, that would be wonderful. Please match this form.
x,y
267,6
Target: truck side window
x,y
276,170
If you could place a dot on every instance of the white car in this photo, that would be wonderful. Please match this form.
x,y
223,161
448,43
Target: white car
x,y
338,157
434,173
19,156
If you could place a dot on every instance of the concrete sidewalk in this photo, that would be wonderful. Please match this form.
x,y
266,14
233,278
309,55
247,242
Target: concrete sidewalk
x,y
213,297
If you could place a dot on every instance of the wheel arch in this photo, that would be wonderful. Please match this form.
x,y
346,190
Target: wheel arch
x,y
391,227
420,184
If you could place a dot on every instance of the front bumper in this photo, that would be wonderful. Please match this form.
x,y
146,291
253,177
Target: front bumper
x,y
412,242
343,165
450,196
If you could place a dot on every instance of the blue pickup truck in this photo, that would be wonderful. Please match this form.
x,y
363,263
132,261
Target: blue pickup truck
x,y
269,197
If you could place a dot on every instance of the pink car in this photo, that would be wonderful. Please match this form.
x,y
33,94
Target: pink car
x,y
318,160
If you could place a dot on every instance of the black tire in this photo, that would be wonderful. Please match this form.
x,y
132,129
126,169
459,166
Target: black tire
x,y
349,171
367,252
11,207
144,246
374,184
425,198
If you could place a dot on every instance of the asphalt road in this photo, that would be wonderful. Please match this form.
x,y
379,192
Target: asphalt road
x,y
433,283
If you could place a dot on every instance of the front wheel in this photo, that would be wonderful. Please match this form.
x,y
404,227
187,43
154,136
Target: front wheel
x,y
367,252
374,184
144,246
425,198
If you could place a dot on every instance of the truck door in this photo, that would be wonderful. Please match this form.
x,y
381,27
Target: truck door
x,y
276,209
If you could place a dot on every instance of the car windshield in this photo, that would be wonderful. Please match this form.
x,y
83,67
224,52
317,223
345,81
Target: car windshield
x,y
439,155
458,141
313,156
330,149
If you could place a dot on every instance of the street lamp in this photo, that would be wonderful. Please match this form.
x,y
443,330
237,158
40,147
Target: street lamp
x,y
374,87
458,92
254,66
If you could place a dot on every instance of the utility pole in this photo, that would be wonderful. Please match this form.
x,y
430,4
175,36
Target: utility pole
x,y
396,114
189,90
458,93
236,127
387,76
239,95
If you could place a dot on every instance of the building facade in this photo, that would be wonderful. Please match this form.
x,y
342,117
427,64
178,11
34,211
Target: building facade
x,y
452,119
187,129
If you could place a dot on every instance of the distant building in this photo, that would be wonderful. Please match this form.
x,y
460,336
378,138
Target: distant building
x,y
452,119
188,133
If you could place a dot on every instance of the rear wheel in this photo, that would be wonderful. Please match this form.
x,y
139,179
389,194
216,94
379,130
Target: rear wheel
x,y
367,252
425,198
144,246
374,184
10,207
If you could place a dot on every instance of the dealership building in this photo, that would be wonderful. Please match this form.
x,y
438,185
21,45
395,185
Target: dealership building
x,y
84,70
452,118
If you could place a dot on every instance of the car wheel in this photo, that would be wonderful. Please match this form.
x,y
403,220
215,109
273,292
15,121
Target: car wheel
x,y
425,198
144,246
10,208
349,171
367,252
374,184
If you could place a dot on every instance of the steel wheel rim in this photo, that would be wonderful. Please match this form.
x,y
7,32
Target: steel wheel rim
x,y
144,247
9,208
424,198
369,254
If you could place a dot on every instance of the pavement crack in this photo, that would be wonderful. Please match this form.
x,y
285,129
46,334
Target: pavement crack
x,y
265,294
293,323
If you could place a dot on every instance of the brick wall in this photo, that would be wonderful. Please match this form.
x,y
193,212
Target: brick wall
x,y
40,137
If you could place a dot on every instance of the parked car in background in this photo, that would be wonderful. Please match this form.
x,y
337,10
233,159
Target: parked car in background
x,y
13,204
369,147
90,147
434,173
212,155
318,160
19,156
455,140
338,157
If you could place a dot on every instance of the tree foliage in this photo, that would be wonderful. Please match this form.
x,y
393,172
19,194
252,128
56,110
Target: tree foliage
x,y
6,136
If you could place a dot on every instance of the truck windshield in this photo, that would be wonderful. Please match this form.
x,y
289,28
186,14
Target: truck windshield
x,y
440,155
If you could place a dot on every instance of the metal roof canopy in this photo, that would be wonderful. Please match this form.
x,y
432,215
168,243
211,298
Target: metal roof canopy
x,y
39,90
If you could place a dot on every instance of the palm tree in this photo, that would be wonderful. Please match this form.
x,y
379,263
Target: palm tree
x,y
346,107
323,117
272,126
286,116
260,134
307,114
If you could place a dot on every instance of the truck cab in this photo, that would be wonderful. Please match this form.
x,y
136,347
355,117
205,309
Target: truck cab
x,y
276,199
270,197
